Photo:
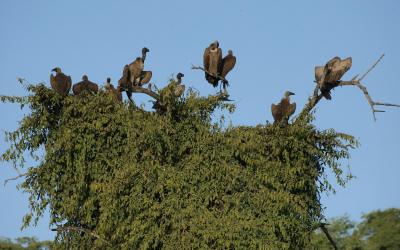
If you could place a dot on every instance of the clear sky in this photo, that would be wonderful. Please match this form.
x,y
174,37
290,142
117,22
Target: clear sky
x,y
277,45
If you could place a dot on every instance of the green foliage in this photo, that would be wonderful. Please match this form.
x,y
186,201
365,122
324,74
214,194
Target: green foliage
x,y
130,178
377,230
24,243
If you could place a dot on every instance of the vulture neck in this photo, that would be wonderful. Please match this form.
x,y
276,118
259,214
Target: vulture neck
x,y
143,56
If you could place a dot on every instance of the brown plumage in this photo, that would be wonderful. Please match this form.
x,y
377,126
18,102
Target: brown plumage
x,y
328,77
136,68
61,83
283,110
124,82
115,92
85,85
145,77
228,62
212,62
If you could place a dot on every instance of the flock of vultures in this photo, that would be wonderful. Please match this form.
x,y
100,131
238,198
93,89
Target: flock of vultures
x,y
216,68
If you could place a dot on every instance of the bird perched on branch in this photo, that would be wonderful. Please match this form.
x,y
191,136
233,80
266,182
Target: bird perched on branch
x,y
115,92
180,89
136,68
217,68
283,110
212,62
61,83
85,85
328,76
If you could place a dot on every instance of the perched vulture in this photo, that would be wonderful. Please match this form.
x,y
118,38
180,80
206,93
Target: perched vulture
x,y
115,92
136,68
180,89
124,84
212,62
145,77
61,83
328,77
283,110
85,85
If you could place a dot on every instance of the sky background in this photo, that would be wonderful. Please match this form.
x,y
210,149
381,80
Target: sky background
x,y
277,45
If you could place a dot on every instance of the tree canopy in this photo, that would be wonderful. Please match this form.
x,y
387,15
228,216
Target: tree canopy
x,y
114,175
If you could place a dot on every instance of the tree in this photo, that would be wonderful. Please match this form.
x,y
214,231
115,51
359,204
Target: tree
x,y
116,176
29,243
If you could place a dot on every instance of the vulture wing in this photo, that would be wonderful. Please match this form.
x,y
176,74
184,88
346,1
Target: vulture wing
x,y
291,109
206,59
145,77
53,82
276,112
179,90
319,74
228,62
336,68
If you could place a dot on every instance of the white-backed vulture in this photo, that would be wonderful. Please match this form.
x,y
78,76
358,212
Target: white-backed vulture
x,y
136,68
212,62
116,93
283,110
180,89
85,85
61,83
328,77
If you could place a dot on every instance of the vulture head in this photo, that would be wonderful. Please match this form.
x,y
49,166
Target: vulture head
x,y
144,51
288,93
85,78
108,80
230,52
179,76
214,45
56,69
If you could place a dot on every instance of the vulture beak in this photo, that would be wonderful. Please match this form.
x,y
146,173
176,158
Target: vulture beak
x,y
54,70
291,93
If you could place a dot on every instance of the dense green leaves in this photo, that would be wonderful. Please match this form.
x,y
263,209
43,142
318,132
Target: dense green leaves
x,y
127,178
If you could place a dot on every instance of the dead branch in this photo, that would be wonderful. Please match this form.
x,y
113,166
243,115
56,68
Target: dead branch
x,y
313,101
139,89
14,178
326,232
79,229
219,77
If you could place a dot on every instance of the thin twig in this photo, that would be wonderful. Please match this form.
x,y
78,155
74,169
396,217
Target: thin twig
x,y
371,68
14,178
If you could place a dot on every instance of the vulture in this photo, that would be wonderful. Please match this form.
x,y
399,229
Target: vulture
x,y
61,83
85,85
115,92
212,62
124,82
283,110
180,89
328,76
136,68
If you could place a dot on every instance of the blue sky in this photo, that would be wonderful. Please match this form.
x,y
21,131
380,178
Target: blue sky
x,y
277,45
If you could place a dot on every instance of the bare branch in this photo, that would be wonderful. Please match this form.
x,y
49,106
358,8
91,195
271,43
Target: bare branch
x,y
14,178
371,68
219,77
138,89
